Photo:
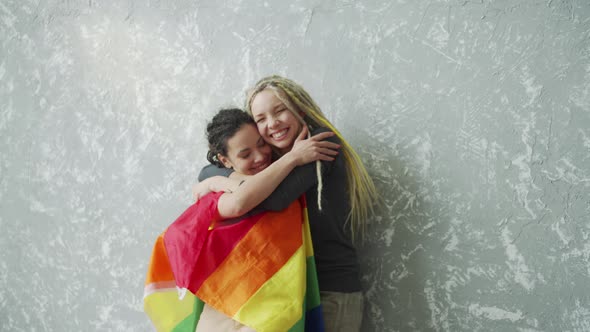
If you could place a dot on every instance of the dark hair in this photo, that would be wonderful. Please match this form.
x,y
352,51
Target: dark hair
x,y
222,127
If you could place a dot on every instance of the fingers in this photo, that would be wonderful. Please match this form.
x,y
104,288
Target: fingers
x,y
322,136
324,145
328,145
199,190
196,195
323,148
320,154
329,152
326,154
325,158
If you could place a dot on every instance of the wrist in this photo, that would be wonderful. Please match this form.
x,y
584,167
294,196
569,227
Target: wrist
x,y
291,159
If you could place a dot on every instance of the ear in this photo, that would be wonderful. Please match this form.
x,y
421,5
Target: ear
x,y
225,161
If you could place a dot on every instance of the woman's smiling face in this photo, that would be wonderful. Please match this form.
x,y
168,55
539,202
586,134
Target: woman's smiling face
x,y
247,152
276,124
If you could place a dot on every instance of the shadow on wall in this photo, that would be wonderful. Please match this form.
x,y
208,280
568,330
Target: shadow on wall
x,y
394,267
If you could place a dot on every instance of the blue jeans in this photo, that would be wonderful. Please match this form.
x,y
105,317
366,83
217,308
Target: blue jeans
x,y
343,312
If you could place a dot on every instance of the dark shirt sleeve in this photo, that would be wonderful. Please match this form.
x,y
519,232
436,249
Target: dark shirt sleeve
x,y
300,180
212,170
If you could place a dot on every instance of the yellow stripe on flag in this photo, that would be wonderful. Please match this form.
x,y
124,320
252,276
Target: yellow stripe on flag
x,y
277,304
166,310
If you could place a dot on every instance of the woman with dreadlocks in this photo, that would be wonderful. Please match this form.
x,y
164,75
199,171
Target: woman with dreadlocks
x,y
340,194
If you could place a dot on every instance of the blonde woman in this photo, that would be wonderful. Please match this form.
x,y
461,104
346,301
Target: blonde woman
x,y
340,194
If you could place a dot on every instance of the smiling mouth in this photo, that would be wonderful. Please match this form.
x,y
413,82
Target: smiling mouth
x,y
280,134
261,167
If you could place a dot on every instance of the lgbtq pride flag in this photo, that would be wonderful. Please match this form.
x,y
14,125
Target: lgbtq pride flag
x,y
259,271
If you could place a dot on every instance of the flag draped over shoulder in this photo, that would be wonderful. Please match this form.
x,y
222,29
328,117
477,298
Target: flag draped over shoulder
x,y
259,271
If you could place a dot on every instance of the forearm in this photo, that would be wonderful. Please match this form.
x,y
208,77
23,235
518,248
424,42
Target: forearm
x,y
214,184
239,176
255,189
221,183
258,187
300,180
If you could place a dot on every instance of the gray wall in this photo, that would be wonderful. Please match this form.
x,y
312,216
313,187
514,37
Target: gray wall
x,y
473,118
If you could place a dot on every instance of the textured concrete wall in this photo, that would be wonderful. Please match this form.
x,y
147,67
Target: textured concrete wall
x,y
472,116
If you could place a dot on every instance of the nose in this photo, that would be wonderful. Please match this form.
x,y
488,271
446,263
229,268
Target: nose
x,y
259,156
273,121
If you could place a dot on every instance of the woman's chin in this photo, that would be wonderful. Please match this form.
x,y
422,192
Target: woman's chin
x,y
283,145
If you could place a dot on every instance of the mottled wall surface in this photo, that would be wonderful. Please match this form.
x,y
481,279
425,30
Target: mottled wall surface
x,y
473,117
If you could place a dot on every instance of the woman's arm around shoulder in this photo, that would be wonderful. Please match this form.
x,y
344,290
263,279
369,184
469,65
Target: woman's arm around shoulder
x,y
258,187
300,180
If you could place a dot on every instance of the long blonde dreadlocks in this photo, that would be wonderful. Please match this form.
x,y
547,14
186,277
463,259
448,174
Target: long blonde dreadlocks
x,y
361,189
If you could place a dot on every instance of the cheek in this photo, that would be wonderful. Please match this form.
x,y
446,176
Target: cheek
x,y
292,120
261,128
298,126
245,167
248,164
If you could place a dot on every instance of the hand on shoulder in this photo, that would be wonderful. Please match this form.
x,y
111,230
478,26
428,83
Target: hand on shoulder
x,y
306,150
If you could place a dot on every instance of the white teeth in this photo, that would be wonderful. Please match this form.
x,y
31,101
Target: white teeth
x,y
279,134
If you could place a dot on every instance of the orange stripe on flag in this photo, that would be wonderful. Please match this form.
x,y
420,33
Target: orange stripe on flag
x,y
259,255
159,269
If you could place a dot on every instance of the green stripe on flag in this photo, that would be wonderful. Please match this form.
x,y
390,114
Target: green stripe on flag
x,y
312,295
189,324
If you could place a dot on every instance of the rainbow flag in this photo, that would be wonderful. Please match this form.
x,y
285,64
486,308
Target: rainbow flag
x,y
259,271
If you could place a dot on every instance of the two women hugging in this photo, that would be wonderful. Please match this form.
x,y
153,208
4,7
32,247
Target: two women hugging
x,y
285,198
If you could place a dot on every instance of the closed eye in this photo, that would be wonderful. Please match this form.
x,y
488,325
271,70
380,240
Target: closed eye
x,y
245,153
